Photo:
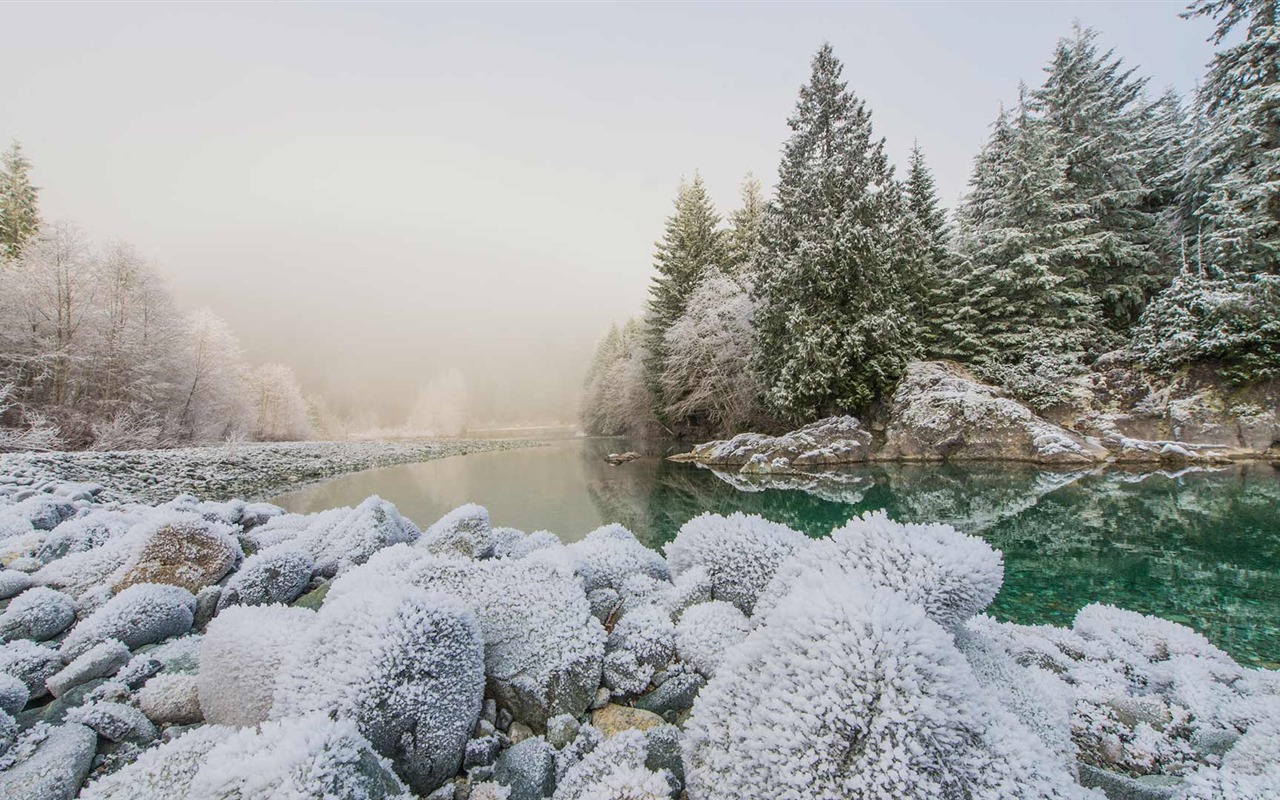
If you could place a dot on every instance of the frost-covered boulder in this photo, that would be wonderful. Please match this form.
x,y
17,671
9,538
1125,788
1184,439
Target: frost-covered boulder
x,y
180,549
275,575
56,769
849,691
241,654
78,573
705,633
37,614
614,770
834,440
1249,771
740,553
510,543
166,771
690,587
8,732
100,661
44,512
357,535
84,533
953,576
464,531
606,558
14,582
647,633
171,700
542,647
940,411
30,663
406,665
145,613
14,694
114,721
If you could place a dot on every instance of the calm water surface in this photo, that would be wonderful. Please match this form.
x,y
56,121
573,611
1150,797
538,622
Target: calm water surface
x,y
1200,547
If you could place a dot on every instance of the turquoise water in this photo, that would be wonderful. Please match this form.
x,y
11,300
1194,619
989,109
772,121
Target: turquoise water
x,y
1199,547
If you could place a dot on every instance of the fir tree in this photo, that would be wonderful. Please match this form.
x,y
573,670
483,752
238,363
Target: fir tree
x,y
744,227
19,214
691,245
928,291
832,329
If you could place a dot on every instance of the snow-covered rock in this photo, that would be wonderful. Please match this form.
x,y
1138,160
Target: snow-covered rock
x,y
464,531
165,771
14,694
100,661
849,691
142,614
835,440
705,633
241,654
38,614
276,575
57,768
953,576
31,663
183,550
940,411
614,770
340,538
114,721
13,582
406,665
606,558
739,553
171,700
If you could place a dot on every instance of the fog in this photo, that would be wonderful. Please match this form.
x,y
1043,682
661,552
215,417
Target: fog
x,y
460,199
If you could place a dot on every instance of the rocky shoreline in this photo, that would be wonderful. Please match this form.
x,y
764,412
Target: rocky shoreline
x,y
199,649
248,471
941,412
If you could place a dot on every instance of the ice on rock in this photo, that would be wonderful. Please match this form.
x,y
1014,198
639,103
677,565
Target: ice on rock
x,y
276,575
145,613
353,539
81,534
511,543
44,512
179,548
14,694
100,661
542,647
689,588
605,558
38,614
80,572
1250,770
171,700
464,531
849,691
606,771
647,633
30,663
114,721
705,633
12,582
241,654
55,769
952,575
406,665
166,771
740,554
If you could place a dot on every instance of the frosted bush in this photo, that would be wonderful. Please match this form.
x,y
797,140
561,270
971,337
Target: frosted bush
x,y
276,575
241,654
30,663
953,576
740,554
13,693
464,531
38,614
590,777
405,664
543,649
705,633
849,691
145,613
605,558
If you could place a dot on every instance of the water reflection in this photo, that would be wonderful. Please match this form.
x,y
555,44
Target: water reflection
x,y
1200,547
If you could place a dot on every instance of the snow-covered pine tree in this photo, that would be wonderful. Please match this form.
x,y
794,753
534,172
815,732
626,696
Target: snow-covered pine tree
x,y
1100,126
19,213
744,228
929,291
692,244
833,332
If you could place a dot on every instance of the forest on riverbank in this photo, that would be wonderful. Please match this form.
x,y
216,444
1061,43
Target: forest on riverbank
x,y
1105,225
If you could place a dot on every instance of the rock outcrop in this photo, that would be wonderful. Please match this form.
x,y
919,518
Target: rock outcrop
x,y
828,442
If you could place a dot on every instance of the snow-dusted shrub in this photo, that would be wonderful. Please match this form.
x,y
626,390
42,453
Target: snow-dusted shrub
x,y
542,647
464,531
1250,770
705,633
30,663
13,693
647,633
405,664
849,691
13,582
38,614
607,770
605,558
276,575
740,554
145,613
953,576
240,657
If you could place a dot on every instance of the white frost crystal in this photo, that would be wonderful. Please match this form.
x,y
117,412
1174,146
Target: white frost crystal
x,y
848,691
605,558
740,554
610,768
1250,770
276,575
705,633
38,614
406,665
144,613
464,531
953,576
240,658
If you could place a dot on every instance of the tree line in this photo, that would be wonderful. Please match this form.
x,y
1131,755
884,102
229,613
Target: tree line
x,y
95,352
1101,222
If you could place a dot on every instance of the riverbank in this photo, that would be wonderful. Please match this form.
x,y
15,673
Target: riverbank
x,y
248,471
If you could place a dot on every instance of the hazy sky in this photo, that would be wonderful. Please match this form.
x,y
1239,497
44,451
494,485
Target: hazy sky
x,y
377,193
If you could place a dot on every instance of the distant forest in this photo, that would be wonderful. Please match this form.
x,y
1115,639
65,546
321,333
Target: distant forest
x,y
1103,224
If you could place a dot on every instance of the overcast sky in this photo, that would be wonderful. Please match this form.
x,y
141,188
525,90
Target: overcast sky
x,y
377,193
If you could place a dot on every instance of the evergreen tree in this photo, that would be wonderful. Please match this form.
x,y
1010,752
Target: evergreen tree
x,y
744,227
929,291
832,329
1101,127
19,215
691,245
1233,188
